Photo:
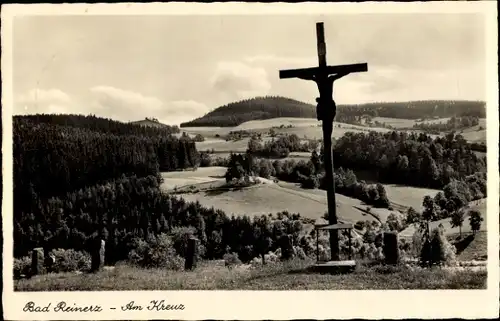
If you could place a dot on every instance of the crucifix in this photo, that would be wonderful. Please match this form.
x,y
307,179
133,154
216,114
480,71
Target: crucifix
x,y
324,76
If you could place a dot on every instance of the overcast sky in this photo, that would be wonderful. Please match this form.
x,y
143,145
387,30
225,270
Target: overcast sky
x,y
176,68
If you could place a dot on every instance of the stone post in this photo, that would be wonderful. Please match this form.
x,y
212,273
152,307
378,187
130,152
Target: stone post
x,y
37,260
391,247
191,254
287,250
98,251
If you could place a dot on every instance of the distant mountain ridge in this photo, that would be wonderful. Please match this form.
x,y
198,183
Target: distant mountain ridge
x,y
267,107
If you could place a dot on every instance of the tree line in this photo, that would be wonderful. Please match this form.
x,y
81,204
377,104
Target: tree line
x,y
99,124
454,123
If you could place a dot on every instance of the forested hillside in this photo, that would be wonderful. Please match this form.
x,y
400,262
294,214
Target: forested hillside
x,y
409,159
268,107
242,111
99,124
54,155
424,109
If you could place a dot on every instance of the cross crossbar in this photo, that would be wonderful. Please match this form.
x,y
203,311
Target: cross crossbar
x,y
307,72
322,67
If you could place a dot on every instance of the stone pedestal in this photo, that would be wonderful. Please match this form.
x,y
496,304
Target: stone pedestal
x,y
191,254
37,260
391,247
98,251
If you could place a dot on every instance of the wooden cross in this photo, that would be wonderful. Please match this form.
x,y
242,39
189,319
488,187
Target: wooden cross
x,y
324,76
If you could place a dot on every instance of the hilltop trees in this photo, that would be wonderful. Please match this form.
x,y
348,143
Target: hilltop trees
x,y
454,123
457,220
475,221
411,159
277,148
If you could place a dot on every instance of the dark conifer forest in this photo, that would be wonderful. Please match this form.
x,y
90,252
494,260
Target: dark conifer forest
x,y
81,178
59,154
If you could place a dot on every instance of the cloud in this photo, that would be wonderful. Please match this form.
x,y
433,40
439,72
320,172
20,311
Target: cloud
x,y
43,101
280,61
127,105
123,104
180,111
238,80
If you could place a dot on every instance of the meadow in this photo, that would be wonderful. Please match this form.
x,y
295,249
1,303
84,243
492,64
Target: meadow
x,y
310,128
291,275
271,197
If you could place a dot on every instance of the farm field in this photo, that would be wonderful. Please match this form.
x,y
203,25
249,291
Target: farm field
x,y
276,122
308,127
408,195
223,146
183,178
273,198
207,132
449,230
395,122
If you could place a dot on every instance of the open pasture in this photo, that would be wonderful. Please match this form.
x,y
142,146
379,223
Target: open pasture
x,y
395,122
207,132
273,198
223,146
277,122
408,196
183,178
475,133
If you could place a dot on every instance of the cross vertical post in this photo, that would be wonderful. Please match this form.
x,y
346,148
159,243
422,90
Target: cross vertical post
x,y
324,76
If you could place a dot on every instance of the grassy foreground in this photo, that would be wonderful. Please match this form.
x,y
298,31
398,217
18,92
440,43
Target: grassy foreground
x,y
291,275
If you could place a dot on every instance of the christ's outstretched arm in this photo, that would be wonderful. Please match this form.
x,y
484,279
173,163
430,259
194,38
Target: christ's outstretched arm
x,y
337,76
311,77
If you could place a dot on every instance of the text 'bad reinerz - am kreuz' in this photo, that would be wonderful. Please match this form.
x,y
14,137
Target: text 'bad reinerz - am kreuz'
x,y
154,305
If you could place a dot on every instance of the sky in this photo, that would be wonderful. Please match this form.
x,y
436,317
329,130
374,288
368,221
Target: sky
x,y
176,68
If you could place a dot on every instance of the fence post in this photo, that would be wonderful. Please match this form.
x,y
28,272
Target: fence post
x,y
391,247
37,261
191,254
98,255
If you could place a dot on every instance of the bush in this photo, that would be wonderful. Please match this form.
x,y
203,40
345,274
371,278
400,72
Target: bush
x,y
310,182
359,225
437,250
180,237
22,266
159,252
70,260
231,259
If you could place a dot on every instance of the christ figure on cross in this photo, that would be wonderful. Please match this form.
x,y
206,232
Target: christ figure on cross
x,y
326,108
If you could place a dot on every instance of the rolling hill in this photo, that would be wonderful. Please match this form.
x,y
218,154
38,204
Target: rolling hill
x,y
268,107
236,113
150,123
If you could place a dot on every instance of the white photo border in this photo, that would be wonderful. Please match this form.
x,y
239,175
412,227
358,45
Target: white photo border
x,y
253,305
